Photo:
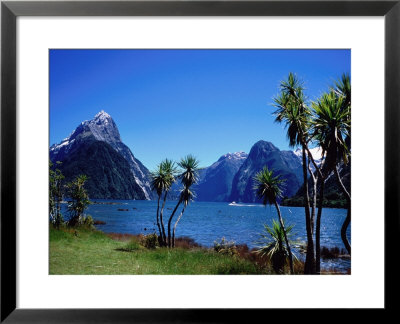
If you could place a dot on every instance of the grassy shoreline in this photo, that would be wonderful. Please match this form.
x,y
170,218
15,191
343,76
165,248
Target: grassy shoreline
x,y
88,251
85,251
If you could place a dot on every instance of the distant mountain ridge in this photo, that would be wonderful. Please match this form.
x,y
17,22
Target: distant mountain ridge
x,y
95,148
215,183
263,153
102,128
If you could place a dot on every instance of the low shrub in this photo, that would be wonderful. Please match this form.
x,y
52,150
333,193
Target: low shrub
x,y
225,247
149,241
85,222
88,221
262,262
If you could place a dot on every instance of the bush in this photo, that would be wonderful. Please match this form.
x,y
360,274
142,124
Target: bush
x,y
149,241
79,200
225,247
88,221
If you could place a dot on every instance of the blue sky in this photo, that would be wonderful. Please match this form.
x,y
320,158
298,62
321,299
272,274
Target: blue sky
x,y
169,103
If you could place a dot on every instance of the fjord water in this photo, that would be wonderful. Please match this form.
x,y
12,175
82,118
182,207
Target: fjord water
x,y
207,222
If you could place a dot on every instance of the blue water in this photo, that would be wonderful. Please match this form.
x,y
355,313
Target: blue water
x,y
207,222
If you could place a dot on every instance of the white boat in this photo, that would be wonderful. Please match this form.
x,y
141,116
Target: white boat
x,y
233,203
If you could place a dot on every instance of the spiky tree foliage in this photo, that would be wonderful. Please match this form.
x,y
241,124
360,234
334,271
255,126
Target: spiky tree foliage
x,y
292,111
342,88
331,126
55,194
272,245
186,196
269,188
79,199
190,166
161,181
294,114
189,176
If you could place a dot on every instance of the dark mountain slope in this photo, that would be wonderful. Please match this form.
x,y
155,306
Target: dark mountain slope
x,y
109,174
333,196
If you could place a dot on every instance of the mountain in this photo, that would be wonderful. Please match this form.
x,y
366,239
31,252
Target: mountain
x,y
263,153
103,129
215,181
109,174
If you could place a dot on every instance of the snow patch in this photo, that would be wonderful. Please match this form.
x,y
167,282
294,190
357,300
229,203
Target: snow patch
x,y
316,152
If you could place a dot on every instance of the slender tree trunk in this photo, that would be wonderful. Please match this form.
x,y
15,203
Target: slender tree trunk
x,y
58,214
56,217
58,204
74,220
170,220
341,185
176,224
158,217
314,198
286,239
318,227
343,231
164,238
322,178
309,267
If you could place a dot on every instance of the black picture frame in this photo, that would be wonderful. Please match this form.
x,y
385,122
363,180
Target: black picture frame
x,y
10,10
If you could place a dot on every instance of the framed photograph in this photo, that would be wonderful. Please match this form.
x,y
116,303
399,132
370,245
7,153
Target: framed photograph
x,y
201,150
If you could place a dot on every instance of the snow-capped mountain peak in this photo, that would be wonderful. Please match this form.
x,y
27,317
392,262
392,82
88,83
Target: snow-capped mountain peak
x,y
316,153
102,115
103,128
234,156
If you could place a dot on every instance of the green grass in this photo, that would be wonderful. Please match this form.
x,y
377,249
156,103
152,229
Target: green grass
x,y
84,251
